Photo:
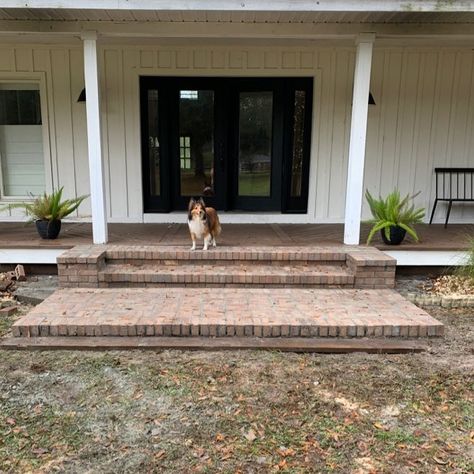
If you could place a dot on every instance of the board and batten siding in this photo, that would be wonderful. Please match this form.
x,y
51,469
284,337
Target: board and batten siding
x,y
423,117
61,69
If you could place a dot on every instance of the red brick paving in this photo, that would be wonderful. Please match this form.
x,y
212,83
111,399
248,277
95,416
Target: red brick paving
x,y
227,312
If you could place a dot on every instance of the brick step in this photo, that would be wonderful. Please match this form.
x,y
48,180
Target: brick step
x,y
250,312
118,254
82,266
221,274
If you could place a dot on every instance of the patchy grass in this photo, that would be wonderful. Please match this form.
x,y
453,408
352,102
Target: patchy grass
x,y
7,321
241,411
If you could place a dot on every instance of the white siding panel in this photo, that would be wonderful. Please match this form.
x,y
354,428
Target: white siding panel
x,y
131,133
114,110
79,129
147,59
165,59
219,59
24,59
344,63
255,59
7,59
61,78
325,110
423,117
425,122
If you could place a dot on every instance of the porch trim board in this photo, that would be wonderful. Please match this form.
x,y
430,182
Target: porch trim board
x,y
410,258
30,256
428,258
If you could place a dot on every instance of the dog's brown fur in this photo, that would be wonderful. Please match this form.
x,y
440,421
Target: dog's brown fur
x,y
203,221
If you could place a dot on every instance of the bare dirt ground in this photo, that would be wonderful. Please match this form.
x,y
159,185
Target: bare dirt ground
x,y
241,412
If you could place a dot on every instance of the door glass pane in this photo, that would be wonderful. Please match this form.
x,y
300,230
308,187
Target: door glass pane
x,y
196,142
255,143
21,140
153,143
298,144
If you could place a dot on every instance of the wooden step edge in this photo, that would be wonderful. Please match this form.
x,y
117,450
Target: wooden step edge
x,y
296,344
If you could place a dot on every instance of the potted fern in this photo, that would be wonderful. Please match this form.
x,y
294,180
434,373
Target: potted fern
x,y
393,217
46,212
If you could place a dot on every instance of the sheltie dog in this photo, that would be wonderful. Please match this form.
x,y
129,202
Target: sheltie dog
x,y
203,222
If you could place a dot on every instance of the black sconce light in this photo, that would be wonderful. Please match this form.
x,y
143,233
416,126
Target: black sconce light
x,y
82,96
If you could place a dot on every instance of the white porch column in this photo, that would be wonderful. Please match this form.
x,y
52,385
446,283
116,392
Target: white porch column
x,y
355,172
96,165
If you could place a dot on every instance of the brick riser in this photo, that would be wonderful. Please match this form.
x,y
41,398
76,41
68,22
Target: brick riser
x,y
229,280
213,330
211,262
276,254
222,285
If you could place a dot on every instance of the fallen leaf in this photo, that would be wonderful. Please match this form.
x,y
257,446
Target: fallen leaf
x,y
250,435
286,452
439,461
39,451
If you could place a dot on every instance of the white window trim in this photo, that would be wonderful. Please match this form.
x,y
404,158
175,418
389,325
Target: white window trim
x,y
40,79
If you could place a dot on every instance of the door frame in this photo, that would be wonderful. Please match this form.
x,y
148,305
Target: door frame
x,y
226,141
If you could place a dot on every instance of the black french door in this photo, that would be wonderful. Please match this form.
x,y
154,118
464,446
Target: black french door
x,y
242,144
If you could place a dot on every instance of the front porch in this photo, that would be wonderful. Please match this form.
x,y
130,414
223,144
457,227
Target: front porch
x,y
20,243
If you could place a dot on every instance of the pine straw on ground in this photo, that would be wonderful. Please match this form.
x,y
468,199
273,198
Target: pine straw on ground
x,y
241,412
451,285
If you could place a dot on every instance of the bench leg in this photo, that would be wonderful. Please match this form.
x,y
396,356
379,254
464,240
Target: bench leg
x,y
447,215
433,211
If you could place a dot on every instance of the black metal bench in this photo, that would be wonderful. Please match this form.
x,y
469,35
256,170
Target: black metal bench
x,y
453,185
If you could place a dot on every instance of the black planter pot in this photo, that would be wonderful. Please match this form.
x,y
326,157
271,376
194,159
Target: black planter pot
x,y
397,234
48,229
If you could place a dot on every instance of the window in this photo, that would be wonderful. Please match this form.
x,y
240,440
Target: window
x,y
297,158
192,95
185,152
21,140
154,154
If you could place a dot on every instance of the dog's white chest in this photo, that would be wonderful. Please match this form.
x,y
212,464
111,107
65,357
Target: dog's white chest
x,y
196,227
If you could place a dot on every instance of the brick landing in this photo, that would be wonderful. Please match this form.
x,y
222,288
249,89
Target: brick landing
x,y
227,312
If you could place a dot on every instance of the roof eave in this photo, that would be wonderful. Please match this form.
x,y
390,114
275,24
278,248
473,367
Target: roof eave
x,y
252,5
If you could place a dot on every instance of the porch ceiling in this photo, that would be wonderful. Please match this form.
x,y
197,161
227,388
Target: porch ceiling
x,y
229,16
